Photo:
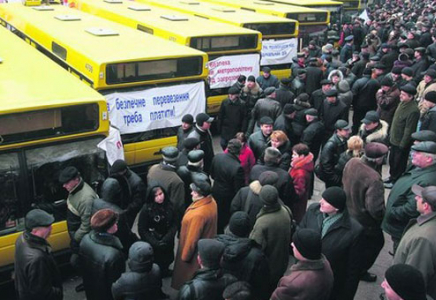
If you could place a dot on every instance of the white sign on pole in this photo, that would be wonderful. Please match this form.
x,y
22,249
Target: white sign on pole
x,y
155,108
276,52
225,70
113,146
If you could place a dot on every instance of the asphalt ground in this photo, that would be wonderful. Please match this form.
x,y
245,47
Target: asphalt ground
x,y
366,291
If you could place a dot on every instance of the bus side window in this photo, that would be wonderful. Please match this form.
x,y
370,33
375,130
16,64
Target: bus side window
x,y
59,50
10,209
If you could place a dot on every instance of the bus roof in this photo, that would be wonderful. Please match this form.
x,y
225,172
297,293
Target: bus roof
x,y
309,2
30,81
121,44
174,22
266,6
218,12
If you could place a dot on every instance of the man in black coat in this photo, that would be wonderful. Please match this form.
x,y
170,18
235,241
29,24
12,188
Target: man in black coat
x,y
364,100
228,177
184,130
243,257
335,146
208,282
101,271
331,111
341,240
134,189
202,133
284,123
314,132
428,119
284,184
37,276
283,93
314,75
232,117
258,141
318,96
420,64
390,55
425,39
143,281
360,66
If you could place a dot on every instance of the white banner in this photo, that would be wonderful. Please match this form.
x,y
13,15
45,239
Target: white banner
x,y
364,16
155,108
276,52
224,71
112,145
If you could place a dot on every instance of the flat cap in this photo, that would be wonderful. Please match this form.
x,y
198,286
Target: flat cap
x,y
380,66
325,81
407,71
386,81
269,90
431,73
288,109
268,177
200,184
67,174
266,69
331,93
191,143
285,80
311,112
349,38
170,154
233,91
194,156
375,150
38,218
424,135
371,117
342,124
375,58
427,147
266,120
420,49
428,193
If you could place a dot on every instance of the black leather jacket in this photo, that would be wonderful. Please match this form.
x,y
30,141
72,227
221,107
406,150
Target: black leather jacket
x,y
37,276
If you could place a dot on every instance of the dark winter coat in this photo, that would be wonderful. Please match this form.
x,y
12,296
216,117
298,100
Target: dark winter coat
x,y
314,76
308,280
419,67
404,124
186,173
142,282
272,231
364,90
317,99
244,259
182,135
37,276
344,158
346,53
247,200
258,143
206,145
326,169
266,107
207,284
359,67
228,177
157,225
331,112
284,95
134,191
250,96
377,135
428,120
401,204
232,118
167,177
102,263
285,124
284,184
267,82
365,194
299,122
343,249
387,103
124,232
312,136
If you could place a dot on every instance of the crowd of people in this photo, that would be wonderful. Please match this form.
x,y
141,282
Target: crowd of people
x,y
365,99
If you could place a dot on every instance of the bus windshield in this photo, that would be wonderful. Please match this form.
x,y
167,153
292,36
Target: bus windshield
x,y
153,70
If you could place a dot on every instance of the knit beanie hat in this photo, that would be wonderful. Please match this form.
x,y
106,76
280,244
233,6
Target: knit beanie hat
x,y
269,195
239,224
406,281
308,243
336,197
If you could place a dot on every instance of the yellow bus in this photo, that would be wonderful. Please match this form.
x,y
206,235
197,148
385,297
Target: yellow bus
x,y
277,33
351,6
222,42
48,120
149,83
334,7
312,22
